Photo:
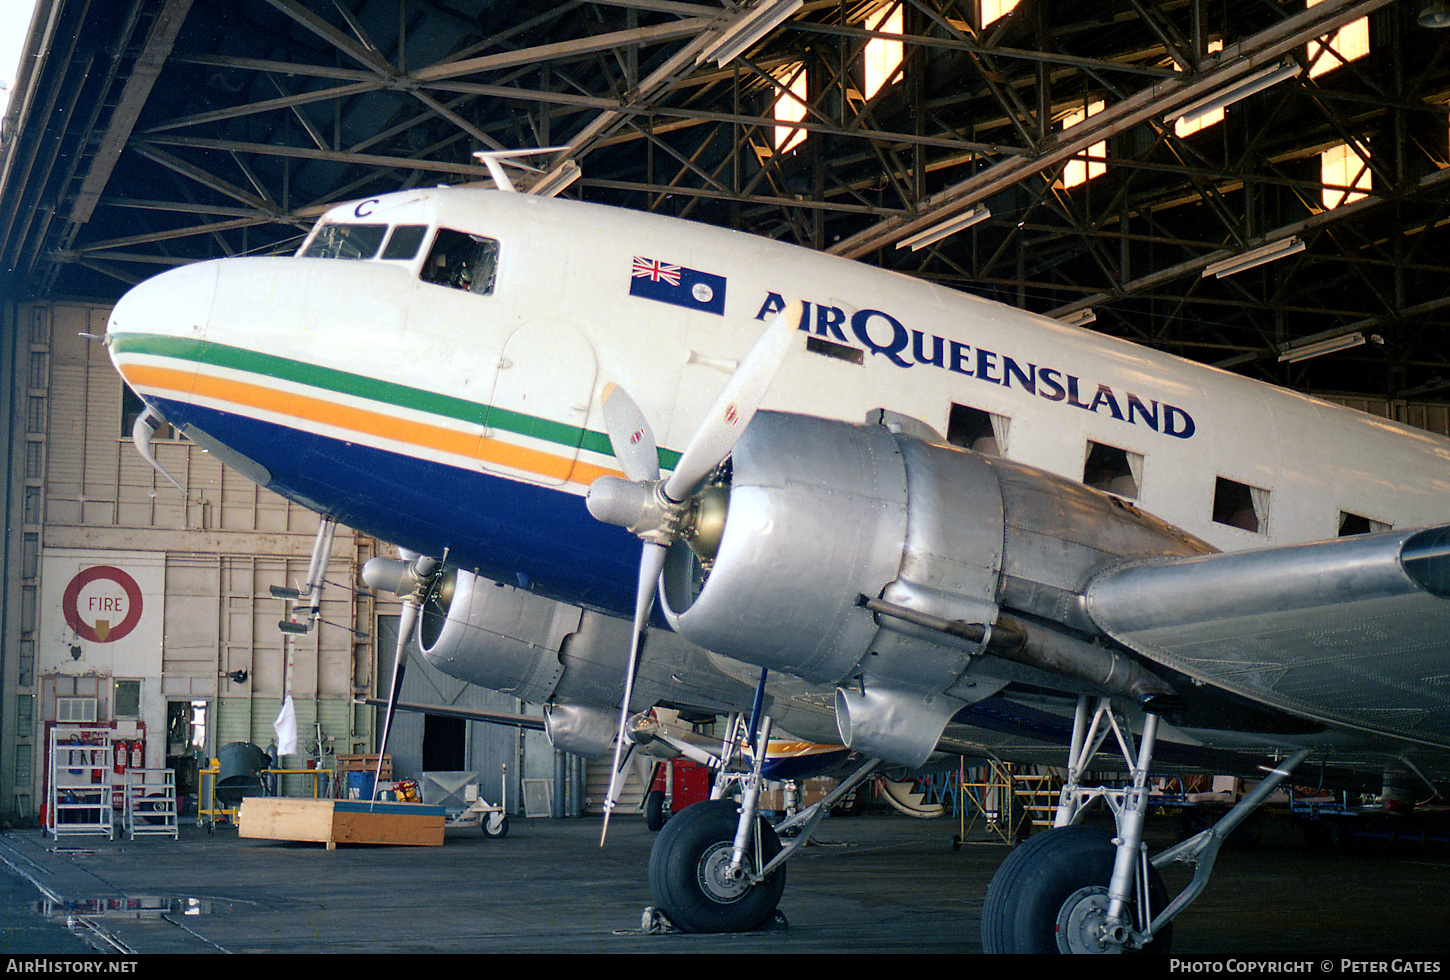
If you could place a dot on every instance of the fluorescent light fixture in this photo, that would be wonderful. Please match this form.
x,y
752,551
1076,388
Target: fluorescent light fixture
x,y
1241,89
748,28
949,227
1305,351
1079,318
1435,15
552,183
1262,255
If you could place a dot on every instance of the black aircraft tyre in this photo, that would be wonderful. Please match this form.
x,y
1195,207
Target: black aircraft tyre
x,y
1049,890
655,814
687,871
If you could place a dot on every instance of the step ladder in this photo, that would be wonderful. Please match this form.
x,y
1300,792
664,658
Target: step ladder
x,y
1012,803
80,797
631,793
149,803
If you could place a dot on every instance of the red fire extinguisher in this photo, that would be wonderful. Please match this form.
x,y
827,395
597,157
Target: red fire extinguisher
x,y
138,753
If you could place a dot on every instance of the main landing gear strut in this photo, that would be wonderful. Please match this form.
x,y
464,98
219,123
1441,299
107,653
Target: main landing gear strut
x,y
1079,889
718,866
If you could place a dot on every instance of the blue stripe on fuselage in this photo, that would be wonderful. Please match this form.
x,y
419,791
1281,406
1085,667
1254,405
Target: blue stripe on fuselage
x,y
505,530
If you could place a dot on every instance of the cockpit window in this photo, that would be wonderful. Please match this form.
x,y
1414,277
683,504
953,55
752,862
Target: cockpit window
x,y
346,242
462,261
404,242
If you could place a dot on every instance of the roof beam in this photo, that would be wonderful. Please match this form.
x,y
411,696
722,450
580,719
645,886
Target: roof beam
x,y
1216,71
133,97
361,53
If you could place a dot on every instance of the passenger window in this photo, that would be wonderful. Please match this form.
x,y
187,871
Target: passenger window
x,y
462,261
981,432
1240,505
404,242
1113,470
346,242
1351,524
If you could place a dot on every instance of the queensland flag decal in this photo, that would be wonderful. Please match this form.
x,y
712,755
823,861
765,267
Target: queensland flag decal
x,y
690,288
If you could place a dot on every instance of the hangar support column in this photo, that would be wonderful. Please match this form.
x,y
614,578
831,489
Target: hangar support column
x,y
24,405
11,459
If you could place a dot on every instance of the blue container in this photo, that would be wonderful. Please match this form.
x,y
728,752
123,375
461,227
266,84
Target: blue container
x,y
360,785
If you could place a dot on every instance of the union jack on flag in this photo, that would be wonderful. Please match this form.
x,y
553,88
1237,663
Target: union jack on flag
x,y
678,285
656,271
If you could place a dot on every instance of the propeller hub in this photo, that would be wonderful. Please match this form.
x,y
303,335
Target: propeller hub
x,y
400,576
641,507
707,521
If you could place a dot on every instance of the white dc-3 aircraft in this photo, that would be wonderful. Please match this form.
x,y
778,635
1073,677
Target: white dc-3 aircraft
x,y
874,513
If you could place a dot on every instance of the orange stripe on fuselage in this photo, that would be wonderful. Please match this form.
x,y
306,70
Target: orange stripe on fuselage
x,y
309,409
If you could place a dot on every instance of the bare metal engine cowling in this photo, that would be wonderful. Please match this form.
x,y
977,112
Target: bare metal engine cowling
x,y
822,513
510,640
496,636
569,659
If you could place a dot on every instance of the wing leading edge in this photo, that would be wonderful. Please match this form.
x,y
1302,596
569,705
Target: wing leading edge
x,y
1354,633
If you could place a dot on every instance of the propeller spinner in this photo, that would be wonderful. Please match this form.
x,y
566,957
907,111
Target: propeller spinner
x,y
655,509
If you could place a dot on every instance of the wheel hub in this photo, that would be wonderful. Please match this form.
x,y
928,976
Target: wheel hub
x,y
1082,923
715,878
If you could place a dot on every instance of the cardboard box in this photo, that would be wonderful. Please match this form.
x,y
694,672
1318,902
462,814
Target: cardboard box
x,y
810,791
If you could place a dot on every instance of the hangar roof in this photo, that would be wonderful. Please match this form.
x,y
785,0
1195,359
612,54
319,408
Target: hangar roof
x,y
150,133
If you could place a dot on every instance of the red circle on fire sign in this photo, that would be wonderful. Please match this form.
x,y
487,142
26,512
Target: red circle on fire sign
x,y
111,609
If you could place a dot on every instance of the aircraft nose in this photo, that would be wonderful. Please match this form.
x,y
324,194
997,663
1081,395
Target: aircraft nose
x,y
176,303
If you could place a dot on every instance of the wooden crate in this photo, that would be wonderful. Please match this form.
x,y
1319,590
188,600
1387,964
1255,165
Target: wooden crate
x,y
334,822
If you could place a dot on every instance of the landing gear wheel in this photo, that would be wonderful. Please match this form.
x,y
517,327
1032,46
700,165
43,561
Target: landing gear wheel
x,y
495,825
688,871
655,813
1050,895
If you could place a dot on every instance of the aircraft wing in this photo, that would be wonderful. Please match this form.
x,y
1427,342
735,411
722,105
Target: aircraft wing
x,y
532,722
1353,633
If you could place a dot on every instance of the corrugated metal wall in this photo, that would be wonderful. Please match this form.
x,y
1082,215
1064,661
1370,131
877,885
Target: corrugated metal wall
x,y
226,542
1421,415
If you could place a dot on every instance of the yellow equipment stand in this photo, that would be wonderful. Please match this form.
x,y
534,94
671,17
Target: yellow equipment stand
x,y
209,811
1007,801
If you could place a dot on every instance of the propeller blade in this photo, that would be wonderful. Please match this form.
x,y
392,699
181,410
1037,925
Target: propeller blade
x,y
406,622
736,405
651,563
630,435
634,446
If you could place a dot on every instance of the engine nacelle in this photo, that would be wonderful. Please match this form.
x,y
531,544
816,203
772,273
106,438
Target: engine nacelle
x,y
581,729
496,636
572,660
823,513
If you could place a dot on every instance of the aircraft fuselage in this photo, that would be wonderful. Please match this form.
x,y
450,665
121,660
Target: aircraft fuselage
x,y
460,418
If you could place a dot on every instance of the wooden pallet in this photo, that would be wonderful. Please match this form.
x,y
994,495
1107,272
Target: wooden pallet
x,y
366,763
334,822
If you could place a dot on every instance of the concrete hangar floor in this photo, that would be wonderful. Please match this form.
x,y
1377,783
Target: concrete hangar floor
x,y
877,884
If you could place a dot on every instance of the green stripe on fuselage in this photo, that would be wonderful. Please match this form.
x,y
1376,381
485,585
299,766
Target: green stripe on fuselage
x,y
372,389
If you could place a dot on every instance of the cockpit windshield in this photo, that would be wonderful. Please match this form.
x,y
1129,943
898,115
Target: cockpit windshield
x,y
457,259
339,241
346,242
462,261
